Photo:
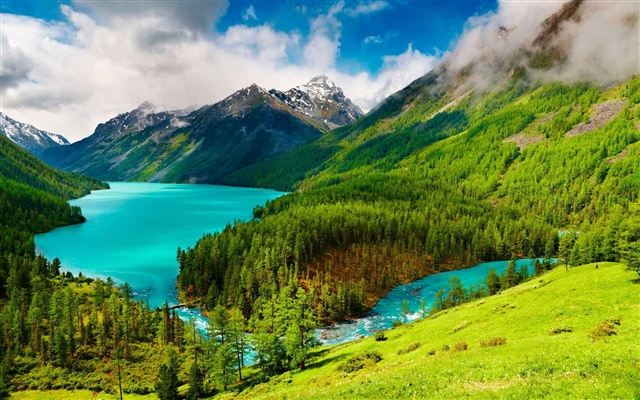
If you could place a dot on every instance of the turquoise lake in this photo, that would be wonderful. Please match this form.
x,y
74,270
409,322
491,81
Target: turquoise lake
x,y
134,229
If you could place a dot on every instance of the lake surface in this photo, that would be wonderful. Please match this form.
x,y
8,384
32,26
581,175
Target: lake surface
x,y
134,229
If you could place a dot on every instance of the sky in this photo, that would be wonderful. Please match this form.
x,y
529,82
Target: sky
x,y
68,65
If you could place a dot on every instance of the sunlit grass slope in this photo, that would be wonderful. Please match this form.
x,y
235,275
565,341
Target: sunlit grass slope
x,y
534,362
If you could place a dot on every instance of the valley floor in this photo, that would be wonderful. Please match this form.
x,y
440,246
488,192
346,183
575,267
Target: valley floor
x,y
569,334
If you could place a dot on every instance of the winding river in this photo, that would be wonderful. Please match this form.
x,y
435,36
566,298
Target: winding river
x,y
133,230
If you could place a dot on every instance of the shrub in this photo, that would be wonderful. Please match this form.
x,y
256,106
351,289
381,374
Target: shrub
x,y
412,347
461,346
496,341
561,329
432,352
605,328
357,362
446,347
397,323
460,327
380,337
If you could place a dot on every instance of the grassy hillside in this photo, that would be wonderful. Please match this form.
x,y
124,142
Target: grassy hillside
x,y
567,334
534,362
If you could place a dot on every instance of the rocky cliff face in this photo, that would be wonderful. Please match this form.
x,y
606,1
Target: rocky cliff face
x,y
322,100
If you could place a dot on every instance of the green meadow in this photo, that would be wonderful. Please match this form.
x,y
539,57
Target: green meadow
x,y
569,334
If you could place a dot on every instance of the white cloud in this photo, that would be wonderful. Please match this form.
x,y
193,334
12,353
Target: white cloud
x,y
602,42
249,13
323,46
396,73
372,39
68,76
367,8
377,39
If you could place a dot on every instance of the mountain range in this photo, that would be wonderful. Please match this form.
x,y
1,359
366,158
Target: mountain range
x,y
206,144
28,136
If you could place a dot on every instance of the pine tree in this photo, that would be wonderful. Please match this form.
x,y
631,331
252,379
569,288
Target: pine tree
x,y
492,281
61,347
224,364
237,326
167,384
404,310
424,310
196,382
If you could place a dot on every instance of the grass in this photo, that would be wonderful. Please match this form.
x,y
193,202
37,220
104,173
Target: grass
x,y
506,348
73,394
526,362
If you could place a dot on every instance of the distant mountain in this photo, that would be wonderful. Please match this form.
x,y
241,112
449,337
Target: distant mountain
x,y
323,100
28,136
206,144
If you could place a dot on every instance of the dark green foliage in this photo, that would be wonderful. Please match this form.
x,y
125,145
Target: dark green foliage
x,y
196,384
561,329
457,294
167,385
380,336
360,361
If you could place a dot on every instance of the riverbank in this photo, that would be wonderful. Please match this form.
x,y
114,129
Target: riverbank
x,y
557,345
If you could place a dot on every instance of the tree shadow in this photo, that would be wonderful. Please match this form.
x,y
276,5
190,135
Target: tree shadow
x,y
636,281
329,360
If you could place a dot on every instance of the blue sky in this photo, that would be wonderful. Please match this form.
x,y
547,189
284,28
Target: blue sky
x,y
69,65
428,25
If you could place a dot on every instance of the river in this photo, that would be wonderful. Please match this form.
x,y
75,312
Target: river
x,y
133,230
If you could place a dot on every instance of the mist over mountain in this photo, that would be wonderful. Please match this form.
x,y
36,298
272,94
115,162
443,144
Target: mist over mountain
x,y
579,40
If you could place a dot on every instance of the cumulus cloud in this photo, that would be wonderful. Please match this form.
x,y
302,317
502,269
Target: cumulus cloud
x,y
14,65
104,59
396,73
599,42
367,8
324,40
249,13
197,16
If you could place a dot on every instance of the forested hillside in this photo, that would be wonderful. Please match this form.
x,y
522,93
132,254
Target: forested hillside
x,y
433,180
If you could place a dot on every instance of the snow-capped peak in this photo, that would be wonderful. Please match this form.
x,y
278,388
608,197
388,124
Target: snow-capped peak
x,y
28,136
321,99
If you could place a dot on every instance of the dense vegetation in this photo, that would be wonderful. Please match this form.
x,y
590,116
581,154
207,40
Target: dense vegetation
x,y
450,180
32,200
576,343
437,178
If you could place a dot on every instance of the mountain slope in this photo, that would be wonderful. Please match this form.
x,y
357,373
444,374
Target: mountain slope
x,y
439,177
33,200
205,145
479,160
28,136
533,363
